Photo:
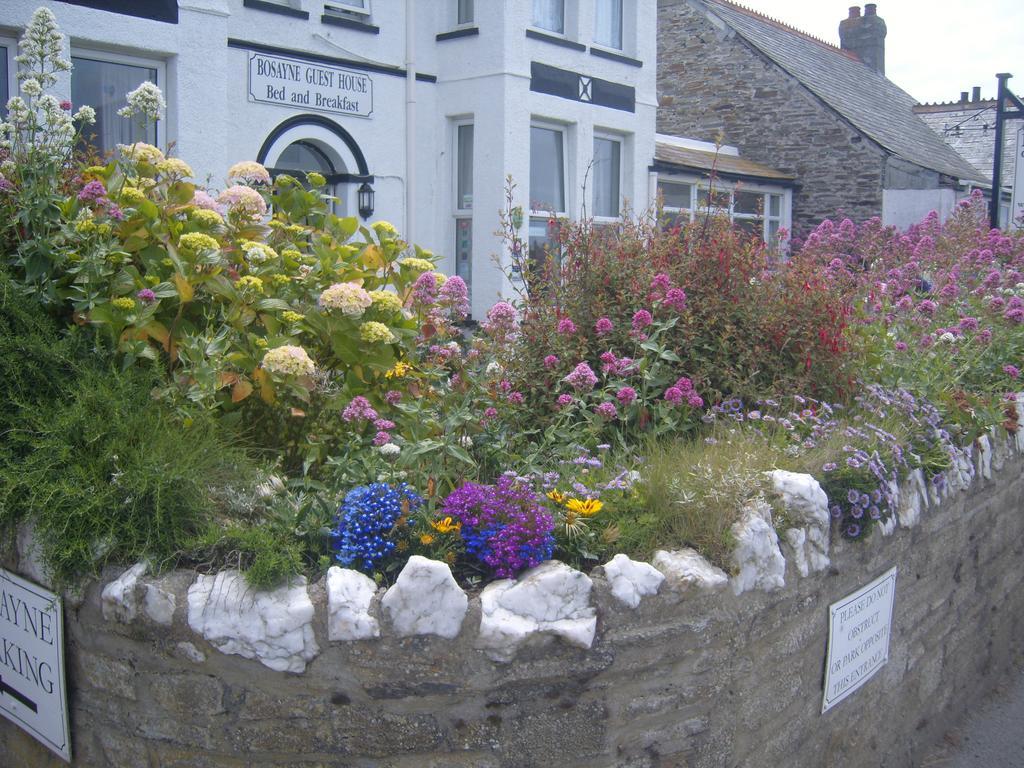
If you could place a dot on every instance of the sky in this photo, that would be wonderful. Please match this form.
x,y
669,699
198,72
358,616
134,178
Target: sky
x,y
934,49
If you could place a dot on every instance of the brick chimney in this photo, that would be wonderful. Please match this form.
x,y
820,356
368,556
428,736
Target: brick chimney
x,y
865,36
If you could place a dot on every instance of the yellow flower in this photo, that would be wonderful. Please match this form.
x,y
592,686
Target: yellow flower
x,y
204,217
402,546
132,196
586,507
373,332
140,152
386,301
197,242
289,360
316,179
261,343
383,228
398,370
85,226
446,525
292,317
250,283
249,171
426,539
124,304
280,280
555,496
449,558
103,229
175,167
291,254
417,265
152,280
257,253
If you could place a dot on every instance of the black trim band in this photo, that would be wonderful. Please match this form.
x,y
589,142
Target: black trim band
x,y
358,26
155,10
323,122
566,84
535,35
603,54
283,10
455,33
306,56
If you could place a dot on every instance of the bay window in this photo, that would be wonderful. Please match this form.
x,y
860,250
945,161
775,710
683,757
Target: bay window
x,y
103,80
547,189
549,15
608,23
607,176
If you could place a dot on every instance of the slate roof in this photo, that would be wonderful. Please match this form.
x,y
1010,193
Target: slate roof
x,y
868,100
727,165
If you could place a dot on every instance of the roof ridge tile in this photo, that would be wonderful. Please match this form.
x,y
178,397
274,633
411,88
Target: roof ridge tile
x,y
783,25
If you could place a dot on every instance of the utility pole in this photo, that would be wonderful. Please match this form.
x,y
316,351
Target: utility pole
x,y
1002,114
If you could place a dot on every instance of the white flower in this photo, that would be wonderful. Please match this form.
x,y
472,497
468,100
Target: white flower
x,y
31,87
42,47
85,115
289,361
493,368
145,100
348,298
389,450
466,441
947,337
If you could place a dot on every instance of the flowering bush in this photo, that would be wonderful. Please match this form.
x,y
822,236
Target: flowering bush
x,y
366,520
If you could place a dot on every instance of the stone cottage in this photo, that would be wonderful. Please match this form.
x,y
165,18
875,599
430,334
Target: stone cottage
x,y
823,114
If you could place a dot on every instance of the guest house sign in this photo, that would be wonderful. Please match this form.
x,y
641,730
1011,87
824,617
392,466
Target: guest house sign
x,y
858,638
32,690
309,85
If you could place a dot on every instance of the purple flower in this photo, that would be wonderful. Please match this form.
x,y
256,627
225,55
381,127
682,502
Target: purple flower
x,y
516,398
383,424
146,296
641,319
392,397
490,413
1012,371
359,409
661,283
455,296
675,298
684,384
830,466
566,327
606,411
901,346
853,496
424,290
92,192
696,401
626,396
603,326
852,531
673,395
563,400
582,378
968,324
1015,314
381,438
927,307
550,361
115,213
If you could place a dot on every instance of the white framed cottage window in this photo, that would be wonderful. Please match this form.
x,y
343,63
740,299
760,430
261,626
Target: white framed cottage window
x,y
8,83
463,204
549,170
464,12
757,210
608,23
357,10
549,15
102,80
606,176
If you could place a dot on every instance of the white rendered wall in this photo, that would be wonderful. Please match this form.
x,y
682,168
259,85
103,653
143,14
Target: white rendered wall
x,y
902,208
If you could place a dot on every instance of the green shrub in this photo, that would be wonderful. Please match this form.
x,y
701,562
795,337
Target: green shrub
x,y
268,557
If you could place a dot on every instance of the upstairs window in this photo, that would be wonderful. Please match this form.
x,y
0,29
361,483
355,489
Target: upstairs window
x,y
5,76
356,10
464,12
103,83
549,15
607,174
608,23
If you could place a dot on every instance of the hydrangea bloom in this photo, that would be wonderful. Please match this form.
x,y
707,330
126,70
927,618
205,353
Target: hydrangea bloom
x,y
288,361
504,525
373,332
347,298
205,217
366,517
416,264
197,242
175,167
249,172
202,200
386,301
140,152
257,253
582,378
244,200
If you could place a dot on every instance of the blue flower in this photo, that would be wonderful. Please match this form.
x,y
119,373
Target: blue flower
x,y
365,520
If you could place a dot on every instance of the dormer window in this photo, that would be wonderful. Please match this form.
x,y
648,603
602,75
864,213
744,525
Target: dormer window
x,y
608,23
549,15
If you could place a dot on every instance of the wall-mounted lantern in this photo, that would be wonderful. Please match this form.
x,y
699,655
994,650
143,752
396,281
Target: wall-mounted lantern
x,y
365,197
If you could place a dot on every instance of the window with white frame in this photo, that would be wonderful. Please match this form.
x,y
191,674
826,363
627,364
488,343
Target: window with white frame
x,y
103,80
607,176
608,23
7,49
464,201
548,172
356,10
464,12
549,15
755,211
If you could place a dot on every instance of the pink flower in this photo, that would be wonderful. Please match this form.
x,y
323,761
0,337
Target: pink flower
x,y
392,397
606,411
673,395
563,400
582,378
490,413
516,398
381,438
675,299
660,283
603,326
927,306
146,296
901,346
694,400
455,296
968,323
66,105
359,409
566,327
984,335
505,385
626,396
550,361
1012,371
641,319
384,424
684,385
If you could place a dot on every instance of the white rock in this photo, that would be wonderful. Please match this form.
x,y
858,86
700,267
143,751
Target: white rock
x,y
758,561
913,499
984,467
30,556
631,580
349,594
190,652
159,605
887,526
807,505
687,567
961,474
275,627
547,601
120,599
425,600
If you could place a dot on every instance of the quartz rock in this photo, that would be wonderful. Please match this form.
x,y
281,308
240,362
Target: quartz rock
x,y
984,466
913,499
425,600
687,567
758,561
188,651
159,604
349,594
274,627
807,505
631,580
120,598
547,601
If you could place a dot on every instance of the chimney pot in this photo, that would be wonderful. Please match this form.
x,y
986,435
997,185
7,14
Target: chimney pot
x,y
976,95
864,36
870,9
854,11
963,97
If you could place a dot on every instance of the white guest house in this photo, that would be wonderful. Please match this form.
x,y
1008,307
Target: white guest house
x,y
415,110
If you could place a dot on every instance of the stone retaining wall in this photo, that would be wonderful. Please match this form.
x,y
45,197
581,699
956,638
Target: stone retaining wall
x,y
560,669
